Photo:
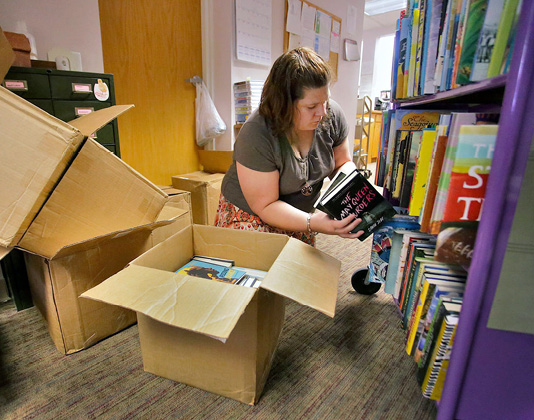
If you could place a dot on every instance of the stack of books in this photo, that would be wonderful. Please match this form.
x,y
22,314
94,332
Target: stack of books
x,y
220,269
247,95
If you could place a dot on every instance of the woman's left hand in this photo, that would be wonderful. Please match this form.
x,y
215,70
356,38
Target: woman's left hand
x,y
323,223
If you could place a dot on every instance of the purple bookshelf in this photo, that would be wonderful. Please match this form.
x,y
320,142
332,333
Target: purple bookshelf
x,y
491,372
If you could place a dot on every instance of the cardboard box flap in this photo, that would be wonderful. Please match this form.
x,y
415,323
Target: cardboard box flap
x,y
89,123
94,242
36,148
197,178
7,56
305,275
99,194
204,306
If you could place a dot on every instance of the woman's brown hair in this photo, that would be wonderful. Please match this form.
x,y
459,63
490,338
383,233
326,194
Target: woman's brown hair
x,y
290,74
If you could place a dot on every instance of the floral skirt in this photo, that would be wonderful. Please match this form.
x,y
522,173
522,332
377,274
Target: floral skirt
x,y
230,216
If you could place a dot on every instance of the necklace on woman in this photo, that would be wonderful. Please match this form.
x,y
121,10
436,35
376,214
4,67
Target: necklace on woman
x,y
307,189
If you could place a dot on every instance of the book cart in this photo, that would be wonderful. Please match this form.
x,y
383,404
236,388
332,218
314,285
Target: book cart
x,y
491,371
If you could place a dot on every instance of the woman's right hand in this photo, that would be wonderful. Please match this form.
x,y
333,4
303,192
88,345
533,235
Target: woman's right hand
x,y
323,223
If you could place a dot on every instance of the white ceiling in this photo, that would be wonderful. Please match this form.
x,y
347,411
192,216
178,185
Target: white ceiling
x,y
388,20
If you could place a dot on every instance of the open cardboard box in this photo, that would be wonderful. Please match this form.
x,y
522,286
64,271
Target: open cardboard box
x,y
211,335
57,281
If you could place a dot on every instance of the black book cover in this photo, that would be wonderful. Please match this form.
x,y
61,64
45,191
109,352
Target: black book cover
x,y
354,194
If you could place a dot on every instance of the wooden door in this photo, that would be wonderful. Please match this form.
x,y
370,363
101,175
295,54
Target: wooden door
x,y
152,47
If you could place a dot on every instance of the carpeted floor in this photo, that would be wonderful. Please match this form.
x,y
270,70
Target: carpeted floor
x,y
350,367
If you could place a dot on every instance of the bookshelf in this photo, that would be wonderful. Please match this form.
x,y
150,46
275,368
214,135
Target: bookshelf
x,y
490,372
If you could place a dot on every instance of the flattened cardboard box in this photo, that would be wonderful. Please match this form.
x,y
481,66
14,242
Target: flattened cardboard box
x,y
205,191
57,281
211,335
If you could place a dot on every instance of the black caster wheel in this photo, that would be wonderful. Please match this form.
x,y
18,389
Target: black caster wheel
x,y
359,283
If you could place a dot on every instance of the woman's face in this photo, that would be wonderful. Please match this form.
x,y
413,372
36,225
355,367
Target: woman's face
x,y
310,109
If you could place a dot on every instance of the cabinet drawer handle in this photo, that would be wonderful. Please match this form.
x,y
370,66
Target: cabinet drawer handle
x,y
82,88
16,85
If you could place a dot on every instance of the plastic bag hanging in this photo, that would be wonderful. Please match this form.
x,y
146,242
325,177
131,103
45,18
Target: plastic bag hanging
x,y
209,124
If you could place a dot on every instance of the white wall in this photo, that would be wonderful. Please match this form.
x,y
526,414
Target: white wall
x,y
75,25
70,24
224,68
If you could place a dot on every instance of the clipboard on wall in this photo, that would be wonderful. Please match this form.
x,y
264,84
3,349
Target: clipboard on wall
x,y
307,25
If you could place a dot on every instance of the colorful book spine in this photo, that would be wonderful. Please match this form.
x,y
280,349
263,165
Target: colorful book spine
x,y
438,155
486,40
470,172
419,47
435,375
464,14
404,48
443,37
432,47
475,21
422,166
503,32
458,119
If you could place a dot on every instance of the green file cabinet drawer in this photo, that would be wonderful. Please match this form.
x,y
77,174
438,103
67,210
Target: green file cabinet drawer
x,y
69,110
76,87
67,95
27,85
44,104
106,136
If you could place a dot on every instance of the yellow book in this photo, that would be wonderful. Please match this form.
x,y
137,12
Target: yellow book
x,y
417,316
440,381
410,76
421,172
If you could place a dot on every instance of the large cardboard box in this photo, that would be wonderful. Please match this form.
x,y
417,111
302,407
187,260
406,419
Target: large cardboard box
x,y
57,281
205,189
216,336
64,199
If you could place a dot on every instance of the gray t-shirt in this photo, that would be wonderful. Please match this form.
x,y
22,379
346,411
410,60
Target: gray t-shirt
x,y
258,149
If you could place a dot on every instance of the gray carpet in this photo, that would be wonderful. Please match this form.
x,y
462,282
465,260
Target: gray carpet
x,y
351,367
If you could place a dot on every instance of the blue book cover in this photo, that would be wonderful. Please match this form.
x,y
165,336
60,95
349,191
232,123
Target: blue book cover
x,y
211,271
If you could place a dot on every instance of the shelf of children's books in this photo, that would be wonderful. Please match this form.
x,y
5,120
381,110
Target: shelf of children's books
x,y
486,92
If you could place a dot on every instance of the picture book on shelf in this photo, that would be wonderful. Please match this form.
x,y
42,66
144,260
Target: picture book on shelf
x,y
430,279
407,237
439,362
421,169
356,195
466,193
506,24
437,311
409,168
382,244
458,120
438,155
486,40
456,242
469,173
473,27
